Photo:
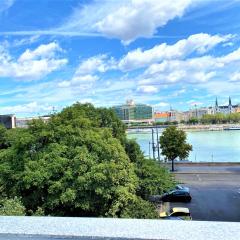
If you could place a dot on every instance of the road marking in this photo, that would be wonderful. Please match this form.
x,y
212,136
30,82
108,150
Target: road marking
x,y
199,179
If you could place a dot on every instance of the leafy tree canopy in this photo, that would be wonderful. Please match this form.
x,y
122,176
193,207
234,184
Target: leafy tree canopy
x,y
11,207
79,163
174,145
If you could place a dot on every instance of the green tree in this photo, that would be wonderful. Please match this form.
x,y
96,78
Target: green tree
x,y
173,144
11,207
193,121
79,163
153,179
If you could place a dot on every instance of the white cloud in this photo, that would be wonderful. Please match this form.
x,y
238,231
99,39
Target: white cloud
x,y
192,70
29,108
162,104
88,72
100,63
25,41
44,50
32,64
84,77
198,43
218,88
140,18
178,92
147,89
6,4
79,81
235,77
126,20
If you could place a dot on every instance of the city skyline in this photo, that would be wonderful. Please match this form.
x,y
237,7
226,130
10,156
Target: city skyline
x,y
105,52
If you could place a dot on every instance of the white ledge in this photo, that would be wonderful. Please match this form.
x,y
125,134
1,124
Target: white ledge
x,y
95,228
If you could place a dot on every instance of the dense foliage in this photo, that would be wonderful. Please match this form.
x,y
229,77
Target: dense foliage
x,y
220,118
79,163
13,207
174,145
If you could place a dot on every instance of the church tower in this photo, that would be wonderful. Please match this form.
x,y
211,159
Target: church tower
x,y
229,105
216,105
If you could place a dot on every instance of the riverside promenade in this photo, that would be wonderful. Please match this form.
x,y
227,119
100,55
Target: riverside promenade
x,y
215,190
188,127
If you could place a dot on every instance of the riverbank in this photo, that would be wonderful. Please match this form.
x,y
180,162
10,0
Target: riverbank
x,y
210,127
186,127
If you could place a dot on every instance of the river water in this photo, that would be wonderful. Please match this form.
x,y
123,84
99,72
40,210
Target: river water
x,y
208,146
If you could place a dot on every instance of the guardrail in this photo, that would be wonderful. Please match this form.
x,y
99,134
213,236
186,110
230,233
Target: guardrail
x,y
108,228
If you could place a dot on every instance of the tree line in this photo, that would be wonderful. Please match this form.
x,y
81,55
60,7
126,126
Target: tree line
x,y
218,118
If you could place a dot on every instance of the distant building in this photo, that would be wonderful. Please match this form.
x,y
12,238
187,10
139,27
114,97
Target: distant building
x,y
227,109
131,112
23,122
197,113
161,116
175,116
8,121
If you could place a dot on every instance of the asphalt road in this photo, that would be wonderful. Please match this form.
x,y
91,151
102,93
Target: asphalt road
x,y
215,195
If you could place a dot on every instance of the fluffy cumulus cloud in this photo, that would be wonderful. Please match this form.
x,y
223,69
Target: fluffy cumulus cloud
x,y
31,64
126,20
197,43
79,81
100,63
193,70
86,73
186,61
140,18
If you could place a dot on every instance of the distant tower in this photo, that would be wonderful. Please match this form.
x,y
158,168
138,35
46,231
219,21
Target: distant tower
x,y
216,105
229,105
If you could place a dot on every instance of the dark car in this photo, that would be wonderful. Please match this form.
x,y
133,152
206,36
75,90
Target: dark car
x,y
177,196
180,187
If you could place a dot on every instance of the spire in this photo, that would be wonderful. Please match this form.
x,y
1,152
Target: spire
x,y
230,102
216,103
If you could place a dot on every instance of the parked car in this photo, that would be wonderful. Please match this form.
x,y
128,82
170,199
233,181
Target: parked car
x,y
180,187
158,198
177,212
176,196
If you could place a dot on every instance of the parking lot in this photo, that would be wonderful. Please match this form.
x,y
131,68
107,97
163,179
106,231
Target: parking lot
x,y
215,192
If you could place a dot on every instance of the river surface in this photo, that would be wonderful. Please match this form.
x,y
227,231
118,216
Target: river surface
x,y
208,146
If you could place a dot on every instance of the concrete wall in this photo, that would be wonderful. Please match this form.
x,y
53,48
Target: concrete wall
x,y
114,229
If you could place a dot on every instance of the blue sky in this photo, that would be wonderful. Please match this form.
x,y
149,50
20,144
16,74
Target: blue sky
x,y
160,52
